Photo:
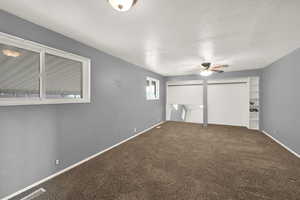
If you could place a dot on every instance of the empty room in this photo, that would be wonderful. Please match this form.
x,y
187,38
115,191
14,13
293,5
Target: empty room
x,y
150,100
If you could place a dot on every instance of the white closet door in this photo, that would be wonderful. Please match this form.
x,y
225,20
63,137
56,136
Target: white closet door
x,y
185,94
186,101
228,104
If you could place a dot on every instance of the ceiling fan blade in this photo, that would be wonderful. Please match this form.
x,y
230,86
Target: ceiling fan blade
x,y
218,71
219,66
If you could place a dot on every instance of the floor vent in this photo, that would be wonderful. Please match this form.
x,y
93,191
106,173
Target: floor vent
x,y
34,194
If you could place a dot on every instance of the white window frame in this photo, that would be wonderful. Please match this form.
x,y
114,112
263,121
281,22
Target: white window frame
x,y
157,88
42,50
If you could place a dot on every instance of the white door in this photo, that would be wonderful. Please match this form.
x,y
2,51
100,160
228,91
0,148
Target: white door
x,y
185,103
228,104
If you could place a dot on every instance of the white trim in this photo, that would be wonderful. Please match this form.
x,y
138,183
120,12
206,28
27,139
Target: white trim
x,y
34,194
38,101
185,82
19,42
280,143
249,113
79,163
43,50
37,47
166,99
227,80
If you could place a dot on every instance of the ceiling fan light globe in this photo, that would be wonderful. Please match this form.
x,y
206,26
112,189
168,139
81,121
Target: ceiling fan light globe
x,y
206,73
122,5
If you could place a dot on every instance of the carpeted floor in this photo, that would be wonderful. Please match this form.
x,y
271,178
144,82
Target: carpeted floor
x,y
185,161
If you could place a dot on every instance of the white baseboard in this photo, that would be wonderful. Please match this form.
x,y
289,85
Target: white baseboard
x,y
280,143
78,163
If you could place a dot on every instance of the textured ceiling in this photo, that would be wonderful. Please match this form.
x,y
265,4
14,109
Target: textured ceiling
x,y
171,37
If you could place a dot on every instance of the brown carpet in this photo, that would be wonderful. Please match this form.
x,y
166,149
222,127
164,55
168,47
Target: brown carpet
x,y
185,161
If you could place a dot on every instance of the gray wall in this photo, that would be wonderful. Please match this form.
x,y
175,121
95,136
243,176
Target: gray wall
x,y
32,137
235,74
281,100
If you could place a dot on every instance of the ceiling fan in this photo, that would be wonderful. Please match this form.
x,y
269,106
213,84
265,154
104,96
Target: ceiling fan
x,y
207,69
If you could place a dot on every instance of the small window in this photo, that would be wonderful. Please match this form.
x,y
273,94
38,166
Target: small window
x,y
63,78
152,89
31,73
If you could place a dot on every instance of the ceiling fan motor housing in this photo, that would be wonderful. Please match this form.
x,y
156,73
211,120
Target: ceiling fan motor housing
x,y
206,64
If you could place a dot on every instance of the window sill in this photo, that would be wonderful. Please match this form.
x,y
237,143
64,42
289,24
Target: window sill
x,y
41,102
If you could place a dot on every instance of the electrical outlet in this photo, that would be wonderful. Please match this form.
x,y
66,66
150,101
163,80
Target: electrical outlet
x,y
57,162
135,130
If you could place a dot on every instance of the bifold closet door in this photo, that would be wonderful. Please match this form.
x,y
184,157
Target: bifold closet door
x,y
185,103
228,104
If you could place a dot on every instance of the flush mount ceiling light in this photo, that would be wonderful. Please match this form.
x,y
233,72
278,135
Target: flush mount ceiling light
x,y
122,5
11,53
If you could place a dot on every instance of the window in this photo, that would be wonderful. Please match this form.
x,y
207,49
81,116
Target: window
x,y
63,78
31,73
152,89
19,73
